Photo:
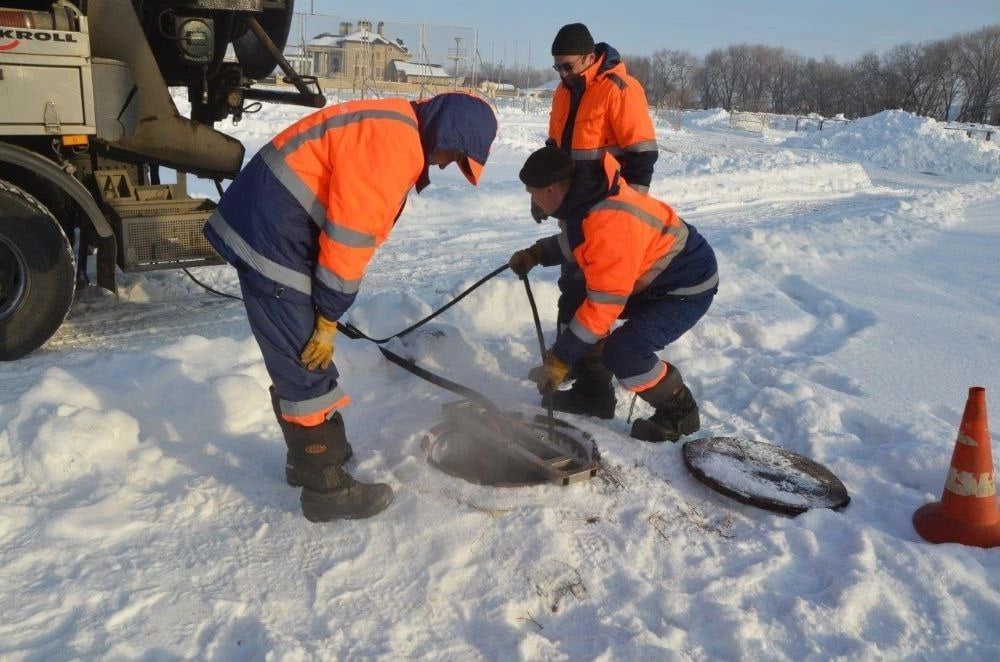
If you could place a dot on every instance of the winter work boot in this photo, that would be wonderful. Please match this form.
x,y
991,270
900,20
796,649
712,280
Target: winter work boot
x,y
592,393
344,498
676,412
315,459
291,475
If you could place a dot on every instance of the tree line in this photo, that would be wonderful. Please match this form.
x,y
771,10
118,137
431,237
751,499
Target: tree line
x,y
950,79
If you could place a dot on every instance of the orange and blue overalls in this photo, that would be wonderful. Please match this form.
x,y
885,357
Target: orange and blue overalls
x,y
640,262
303,219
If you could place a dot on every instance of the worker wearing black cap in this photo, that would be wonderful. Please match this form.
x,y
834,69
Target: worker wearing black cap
x,y
599,108
640,262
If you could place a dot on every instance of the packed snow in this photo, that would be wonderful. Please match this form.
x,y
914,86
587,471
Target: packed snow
x,y
144,513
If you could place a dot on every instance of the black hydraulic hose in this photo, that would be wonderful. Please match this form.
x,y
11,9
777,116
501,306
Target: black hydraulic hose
x,y
215,292
495,413
498,417
352,331
541,347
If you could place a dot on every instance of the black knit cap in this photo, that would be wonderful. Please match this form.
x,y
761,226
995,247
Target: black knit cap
x,y
546,167
573,39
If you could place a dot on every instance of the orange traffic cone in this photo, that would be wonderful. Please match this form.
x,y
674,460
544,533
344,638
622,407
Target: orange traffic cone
x,y
967,512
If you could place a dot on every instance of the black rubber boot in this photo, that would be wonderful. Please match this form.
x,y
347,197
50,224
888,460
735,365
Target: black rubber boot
x,y
592,394
315,461
291,473
344,498
676,412
578,400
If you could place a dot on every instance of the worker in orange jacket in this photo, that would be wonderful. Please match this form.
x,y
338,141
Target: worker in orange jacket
x,y
597,109
640,263
300,224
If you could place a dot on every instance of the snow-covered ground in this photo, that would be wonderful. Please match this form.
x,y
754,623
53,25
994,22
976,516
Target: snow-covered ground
x,y
144,513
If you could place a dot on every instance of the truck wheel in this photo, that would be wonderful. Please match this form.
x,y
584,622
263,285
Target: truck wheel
x,y
37,273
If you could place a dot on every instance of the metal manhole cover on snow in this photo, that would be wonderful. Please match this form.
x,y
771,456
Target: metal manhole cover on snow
x,y
764,475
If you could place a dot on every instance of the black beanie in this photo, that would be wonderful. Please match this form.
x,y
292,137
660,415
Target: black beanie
x,y
546,167
573,39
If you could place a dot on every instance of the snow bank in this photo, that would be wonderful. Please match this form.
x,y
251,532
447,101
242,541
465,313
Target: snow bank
x,y
712,118
898,139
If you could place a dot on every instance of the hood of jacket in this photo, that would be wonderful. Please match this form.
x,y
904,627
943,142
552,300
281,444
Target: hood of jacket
x,y
460,122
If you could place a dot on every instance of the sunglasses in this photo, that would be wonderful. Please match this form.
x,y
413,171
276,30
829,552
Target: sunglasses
x,y
567,67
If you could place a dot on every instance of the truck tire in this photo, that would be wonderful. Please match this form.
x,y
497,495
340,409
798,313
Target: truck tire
x,y
37,273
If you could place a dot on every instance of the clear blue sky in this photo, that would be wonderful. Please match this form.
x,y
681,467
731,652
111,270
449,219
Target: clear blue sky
x,y
844,29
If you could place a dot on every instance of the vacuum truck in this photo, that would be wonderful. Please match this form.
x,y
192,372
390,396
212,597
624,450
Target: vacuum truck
x,y
88,123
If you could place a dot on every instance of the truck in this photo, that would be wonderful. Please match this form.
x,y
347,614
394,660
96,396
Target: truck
x,y
88,125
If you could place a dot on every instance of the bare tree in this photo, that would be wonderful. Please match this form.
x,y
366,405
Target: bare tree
x,y
929,79
942,64
979,61
671,78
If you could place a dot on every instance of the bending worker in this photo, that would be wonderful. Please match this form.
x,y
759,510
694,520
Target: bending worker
x,y
300,224
640,262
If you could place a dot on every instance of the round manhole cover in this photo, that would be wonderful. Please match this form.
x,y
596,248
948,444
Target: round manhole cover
x,y
764,475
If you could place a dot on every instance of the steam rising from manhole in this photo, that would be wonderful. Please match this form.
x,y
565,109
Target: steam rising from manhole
x,y
505,450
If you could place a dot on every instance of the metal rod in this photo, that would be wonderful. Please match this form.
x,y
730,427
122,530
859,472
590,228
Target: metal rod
x,y
541,347
279,57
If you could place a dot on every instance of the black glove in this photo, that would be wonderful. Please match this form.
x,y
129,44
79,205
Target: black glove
x,y
525,260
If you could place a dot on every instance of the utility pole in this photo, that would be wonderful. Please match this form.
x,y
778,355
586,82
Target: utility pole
x,y
456,56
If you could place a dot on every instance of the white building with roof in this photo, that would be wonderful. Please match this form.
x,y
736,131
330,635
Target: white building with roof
x,y
359,55
402,71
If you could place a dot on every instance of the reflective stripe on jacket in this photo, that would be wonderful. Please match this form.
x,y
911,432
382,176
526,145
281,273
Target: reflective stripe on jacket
x,y
606,112
317,231
626,243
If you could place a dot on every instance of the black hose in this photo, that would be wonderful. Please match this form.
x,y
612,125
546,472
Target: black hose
x,y
352,331
216,292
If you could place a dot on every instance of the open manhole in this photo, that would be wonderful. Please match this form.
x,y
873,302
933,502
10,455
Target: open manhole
x,y
764,475
504,449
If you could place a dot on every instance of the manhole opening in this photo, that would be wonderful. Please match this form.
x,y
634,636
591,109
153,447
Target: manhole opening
x,y
482,448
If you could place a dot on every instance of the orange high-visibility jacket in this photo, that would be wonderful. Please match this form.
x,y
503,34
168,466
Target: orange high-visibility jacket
x,y
625,242
309,210
331,156
605,111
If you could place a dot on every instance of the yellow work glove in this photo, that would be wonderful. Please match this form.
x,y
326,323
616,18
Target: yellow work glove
x,y
526,259
553,372
318,352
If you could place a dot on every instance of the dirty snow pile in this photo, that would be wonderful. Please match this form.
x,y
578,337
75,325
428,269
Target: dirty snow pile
x,y
144,512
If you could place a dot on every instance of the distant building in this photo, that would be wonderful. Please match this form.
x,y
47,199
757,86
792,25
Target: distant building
x,y
543,91
492,89
357,55
420,72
